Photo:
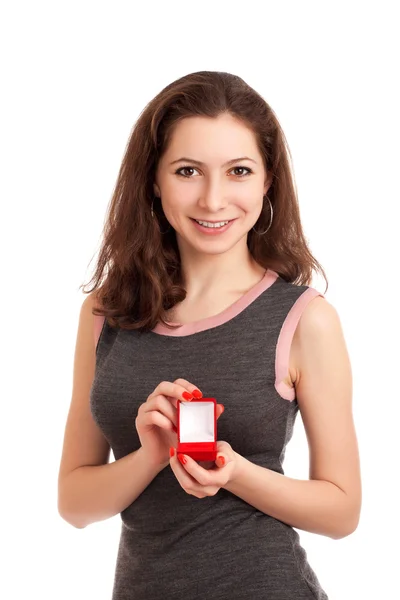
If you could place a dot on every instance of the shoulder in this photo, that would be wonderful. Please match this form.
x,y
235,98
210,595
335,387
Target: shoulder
x,y
91,302
319,327
89,321
318,315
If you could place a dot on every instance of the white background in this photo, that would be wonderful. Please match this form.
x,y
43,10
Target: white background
x,y
75,76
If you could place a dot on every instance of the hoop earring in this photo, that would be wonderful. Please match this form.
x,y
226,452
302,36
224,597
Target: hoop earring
x,y
270,223
152,214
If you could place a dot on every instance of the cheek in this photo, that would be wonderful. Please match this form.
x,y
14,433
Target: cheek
x,y
177,199
248,197
175,186
250,205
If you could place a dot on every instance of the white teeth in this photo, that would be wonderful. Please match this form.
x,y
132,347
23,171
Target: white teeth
x,y
206,224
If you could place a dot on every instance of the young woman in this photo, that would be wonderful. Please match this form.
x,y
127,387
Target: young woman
x,y
202,289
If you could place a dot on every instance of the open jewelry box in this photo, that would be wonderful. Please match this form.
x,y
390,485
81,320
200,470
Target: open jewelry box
x,y
197,428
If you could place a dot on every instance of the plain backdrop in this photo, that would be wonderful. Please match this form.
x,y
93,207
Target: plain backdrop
x,y
75,76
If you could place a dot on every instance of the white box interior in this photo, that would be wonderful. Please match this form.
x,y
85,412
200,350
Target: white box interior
x,y
196,422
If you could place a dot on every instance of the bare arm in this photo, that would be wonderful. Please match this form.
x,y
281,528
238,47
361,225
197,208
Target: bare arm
x,y
96,493
89,487
329,503
314,506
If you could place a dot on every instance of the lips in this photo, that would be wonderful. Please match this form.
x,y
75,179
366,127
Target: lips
x,y
207,221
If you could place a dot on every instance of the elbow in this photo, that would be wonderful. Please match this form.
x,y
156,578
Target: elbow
x,y
353,526
342,533
69,517
66,510
347,517
346,527
71,520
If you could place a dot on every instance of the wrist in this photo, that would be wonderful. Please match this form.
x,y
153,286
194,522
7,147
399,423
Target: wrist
x,y
239,464
156,468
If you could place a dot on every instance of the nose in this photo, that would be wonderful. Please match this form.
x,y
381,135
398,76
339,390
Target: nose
x,y
212,198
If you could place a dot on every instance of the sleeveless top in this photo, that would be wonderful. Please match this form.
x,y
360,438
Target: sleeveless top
x,y
175,546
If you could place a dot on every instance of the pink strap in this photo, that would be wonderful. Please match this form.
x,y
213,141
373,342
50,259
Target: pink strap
x,y
98,326
282,356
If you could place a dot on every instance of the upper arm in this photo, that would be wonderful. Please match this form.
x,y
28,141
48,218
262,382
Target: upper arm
x,y
84,443
324,395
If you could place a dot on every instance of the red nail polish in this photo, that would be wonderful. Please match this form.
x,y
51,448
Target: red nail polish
x,y
223,408
171,451
187,396
182,459
221,460
197,394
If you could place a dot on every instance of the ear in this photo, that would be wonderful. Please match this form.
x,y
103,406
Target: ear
x,y
267,183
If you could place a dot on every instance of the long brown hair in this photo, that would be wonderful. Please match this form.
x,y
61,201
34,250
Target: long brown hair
x,y
143,278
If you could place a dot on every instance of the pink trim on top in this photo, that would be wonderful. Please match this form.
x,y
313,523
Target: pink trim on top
x,y
282,357
209,322
224,316
98,326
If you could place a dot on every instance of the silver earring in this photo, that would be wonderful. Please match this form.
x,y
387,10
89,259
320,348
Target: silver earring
x,y
152,214
270,222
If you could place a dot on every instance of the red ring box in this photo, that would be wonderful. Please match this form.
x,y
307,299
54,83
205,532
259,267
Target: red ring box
x,y
197,428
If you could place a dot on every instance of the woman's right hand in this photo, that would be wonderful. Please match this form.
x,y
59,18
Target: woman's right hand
x,y
156,421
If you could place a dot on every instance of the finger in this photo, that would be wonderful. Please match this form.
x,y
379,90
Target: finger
x,y
189,387
154,417
162,405
175,391
188,483
220,461
185,480
206,464
200,475
220,409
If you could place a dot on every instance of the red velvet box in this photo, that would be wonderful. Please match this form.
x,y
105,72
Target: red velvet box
x,y
197,428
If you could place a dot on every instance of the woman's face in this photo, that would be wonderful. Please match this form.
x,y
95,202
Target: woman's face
x,y
195,181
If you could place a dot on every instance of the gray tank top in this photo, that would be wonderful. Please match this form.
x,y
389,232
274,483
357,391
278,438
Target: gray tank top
x,y
175,546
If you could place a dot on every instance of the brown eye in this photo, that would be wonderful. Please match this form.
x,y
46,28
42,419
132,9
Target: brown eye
x,y
242,168
178,171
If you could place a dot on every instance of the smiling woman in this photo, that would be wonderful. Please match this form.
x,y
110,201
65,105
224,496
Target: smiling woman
x,y
204,228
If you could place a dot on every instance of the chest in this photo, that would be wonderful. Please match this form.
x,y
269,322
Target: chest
x,y
235,365
189,311
186,312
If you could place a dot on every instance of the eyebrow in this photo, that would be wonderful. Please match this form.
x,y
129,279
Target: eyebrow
x,y
201,164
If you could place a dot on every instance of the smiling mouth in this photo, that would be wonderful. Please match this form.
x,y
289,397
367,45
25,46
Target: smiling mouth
x,y
207,221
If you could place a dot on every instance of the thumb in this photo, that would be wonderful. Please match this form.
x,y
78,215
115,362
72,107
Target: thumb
x,y
221,459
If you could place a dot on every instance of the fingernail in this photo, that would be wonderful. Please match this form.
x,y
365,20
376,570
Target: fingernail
x,y
187,396
223,408
197,394
221,460
182,459
171,451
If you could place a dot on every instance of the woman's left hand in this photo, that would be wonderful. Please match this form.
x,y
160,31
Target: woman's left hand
x,y
206,480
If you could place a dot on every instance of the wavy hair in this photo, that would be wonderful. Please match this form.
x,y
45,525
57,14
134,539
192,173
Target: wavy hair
x,y
138,273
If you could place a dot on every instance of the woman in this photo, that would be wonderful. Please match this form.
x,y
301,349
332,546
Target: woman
x,y
207,294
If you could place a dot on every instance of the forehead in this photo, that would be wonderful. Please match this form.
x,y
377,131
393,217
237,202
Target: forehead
x,y
203,137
